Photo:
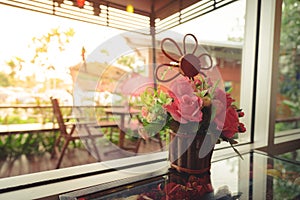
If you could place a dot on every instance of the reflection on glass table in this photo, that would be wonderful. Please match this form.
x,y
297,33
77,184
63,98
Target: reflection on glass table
x,y
257,176
293,155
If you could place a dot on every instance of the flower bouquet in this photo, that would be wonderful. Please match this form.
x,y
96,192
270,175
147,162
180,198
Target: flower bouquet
x,y
188,110
195,111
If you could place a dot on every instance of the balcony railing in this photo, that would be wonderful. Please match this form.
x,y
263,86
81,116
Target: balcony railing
x,y
31,140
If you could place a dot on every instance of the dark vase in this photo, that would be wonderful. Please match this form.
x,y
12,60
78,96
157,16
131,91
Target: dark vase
x,y
190,151
191,146
185,155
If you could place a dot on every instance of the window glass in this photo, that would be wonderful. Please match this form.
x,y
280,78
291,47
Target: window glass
x,y
34,67
221,33
288,96
27,86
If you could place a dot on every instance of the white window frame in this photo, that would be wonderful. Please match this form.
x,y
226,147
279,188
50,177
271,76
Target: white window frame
x,y
267,78
248,66
264,110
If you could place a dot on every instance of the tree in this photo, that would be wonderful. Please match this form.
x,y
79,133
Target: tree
x,y
15,64
4,80
132,62
289,67
127,60
54,40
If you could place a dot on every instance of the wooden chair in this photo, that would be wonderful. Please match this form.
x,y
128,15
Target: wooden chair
x,y
69,132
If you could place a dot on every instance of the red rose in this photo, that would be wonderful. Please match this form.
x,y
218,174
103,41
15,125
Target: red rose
x,y
197,82
241,114
242,128
231,123
229,100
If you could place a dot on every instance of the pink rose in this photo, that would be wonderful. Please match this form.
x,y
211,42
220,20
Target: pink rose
x,y
220,95
144,112
219,104
185,109
220,110
182,87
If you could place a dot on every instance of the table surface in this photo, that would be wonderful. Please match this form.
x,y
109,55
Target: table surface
x,y
257,176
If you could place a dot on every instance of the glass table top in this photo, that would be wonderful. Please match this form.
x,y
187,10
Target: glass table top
x,y
256,176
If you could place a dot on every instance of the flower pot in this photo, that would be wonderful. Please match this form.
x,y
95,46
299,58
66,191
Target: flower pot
x,y
184,153
191,146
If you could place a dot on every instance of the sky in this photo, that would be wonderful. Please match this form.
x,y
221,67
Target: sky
x,y
219,24
19,26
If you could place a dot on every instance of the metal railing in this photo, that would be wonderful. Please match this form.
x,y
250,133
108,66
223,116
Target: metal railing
x,y
20,114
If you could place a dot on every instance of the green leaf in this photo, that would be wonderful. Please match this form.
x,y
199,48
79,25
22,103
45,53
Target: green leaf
x,y
290,103
214,88
153,128
229,90
203,93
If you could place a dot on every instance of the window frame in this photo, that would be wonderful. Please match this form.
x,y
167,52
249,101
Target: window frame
x,y
267,75
260,53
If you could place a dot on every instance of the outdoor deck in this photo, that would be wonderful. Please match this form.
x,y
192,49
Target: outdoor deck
x,y
73,157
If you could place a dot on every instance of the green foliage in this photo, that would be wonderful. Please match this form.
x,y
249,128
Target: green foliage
x,y
56,39
294,155
289,88
13,146
104,51
42,48
153,101
284,180
4,80
283,126
114,138
151,95
128,61
289,68
15,63
21,116
17,120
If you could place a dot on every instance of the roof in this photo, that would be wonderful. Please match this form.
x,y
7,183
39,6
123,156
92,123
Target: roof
x,y
224,49
161,14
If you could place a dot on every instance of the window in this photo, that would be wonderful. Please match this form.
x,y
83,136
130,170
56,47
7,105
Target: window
x,y
288,95
275,119
224,34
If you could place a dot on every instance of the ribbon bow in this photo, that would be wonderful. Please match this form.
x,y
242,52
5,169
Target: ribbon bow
x,y
193,189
